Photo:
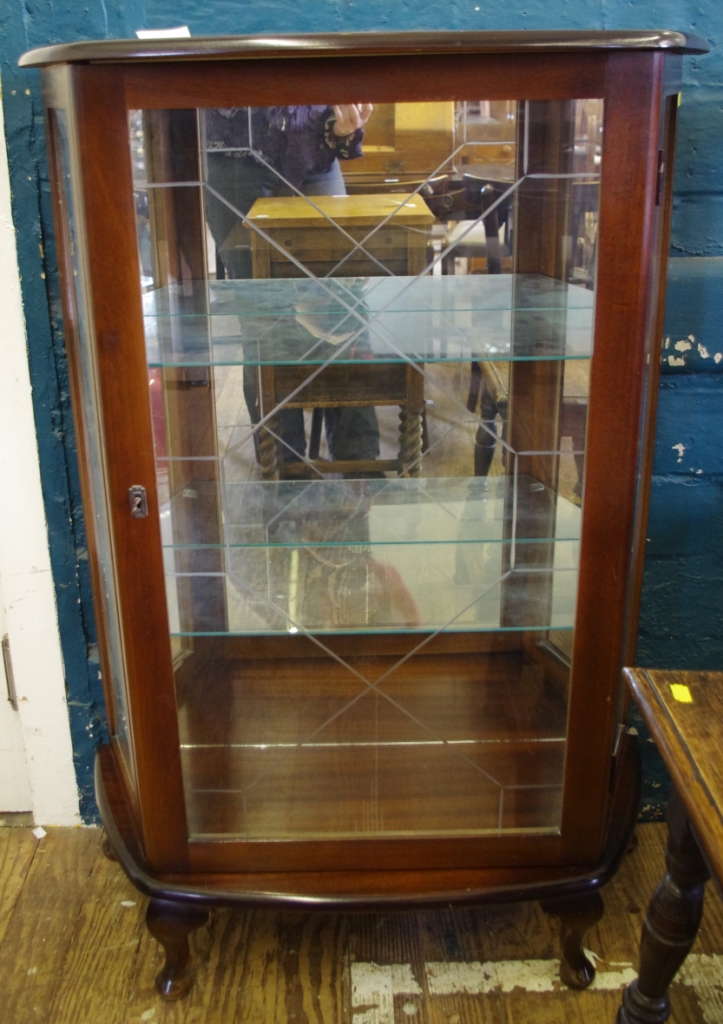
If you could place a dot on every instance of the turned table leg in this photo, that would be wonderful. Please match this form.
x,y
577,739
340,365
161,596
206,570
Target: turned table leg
x,y
577,915
171,924
411,422
671,924
268,454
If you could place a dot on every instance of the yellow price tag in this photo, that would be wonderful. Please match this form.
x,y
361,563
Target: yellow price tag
x,y
682,693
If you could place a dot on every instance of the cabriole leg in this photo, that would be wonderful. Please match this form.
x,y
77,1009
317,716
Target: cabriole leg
x,y
577,915
171,924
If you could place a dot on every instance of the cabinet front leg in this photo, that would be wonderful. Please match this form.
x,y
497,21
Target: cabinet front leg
x,y
171,924
671,924
577,915
106,848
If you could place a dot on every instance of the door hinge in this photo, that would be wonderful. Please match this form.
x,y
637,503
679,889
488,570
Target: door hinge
x,y
661,176
9,677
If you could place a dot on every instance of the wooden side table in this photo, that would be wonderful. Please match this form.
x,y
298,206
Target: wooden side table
x,y
684,712
322,238
306,233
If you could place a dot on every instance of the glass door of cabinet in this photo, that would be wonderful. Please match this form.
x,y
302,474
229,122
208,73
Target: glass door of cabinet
x,y
368,335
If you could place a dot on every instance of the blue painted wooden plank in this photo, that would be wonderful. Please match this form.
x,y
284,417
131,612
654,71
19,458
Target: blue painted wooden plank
x,y
697,228
681,621
690,426
686,516
693,332
699,153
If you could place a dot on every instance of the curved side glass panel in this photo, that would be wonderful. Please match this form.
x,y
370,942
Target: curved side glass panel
x,y
106,601
369,335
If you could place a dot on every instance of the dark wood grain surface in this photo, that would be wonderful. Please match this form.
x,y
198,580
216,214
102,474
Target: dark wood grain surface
x,y
689,736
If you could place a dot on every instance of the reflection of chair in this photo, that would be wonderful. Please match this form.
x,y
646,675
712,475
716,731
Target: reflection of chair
x,y
584,201
478,195
482,240
490,386
425,187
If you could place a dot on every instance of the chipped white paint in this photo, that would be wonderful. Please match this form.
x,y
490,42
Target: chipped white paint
x,y
705,975
703,351
374,986
676,361
717,357
476,978
680,449
682,346
613,977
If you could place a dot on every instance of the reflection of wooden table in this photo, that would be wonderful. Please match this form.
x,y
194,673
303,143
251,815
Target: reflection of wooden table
x,y
293,228
356,384
299,230
684,712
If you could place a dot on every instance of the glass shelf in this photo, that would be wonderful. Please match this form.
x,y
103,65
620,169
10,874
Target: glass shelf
x,y
376,556
430,319
332,513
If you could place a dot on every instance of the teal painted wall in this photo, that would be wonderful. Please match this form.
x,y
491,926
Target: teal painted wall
x,y
681,610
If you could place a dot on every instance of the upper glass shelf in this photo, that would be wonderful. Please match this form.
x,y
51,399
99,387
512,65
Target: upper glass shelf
x,y
429,319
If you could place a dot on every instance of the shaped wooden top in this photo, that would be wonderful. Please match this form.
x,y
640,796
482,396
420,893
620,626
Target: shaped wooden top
x,y
347,44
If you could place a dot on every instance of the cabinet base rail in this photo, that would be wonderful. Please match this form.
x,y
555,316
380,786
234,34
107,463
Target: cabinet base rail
x,y
179,903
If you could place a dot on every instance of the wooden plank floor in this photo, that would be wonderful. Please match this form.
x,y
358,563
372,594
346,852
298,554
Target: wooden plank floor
x,y
74,949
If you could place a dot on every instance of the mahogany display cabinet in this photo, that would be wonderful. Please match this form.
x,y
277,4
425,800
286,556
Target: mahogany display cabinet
x,y
365,436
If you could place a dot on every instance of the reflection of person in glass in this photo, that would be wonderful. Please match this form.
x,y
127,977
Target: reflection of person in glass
x,y
272,151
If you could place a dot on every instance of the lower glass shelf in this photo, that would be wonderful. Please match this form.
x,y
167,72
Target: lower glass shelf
x,y
445,745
